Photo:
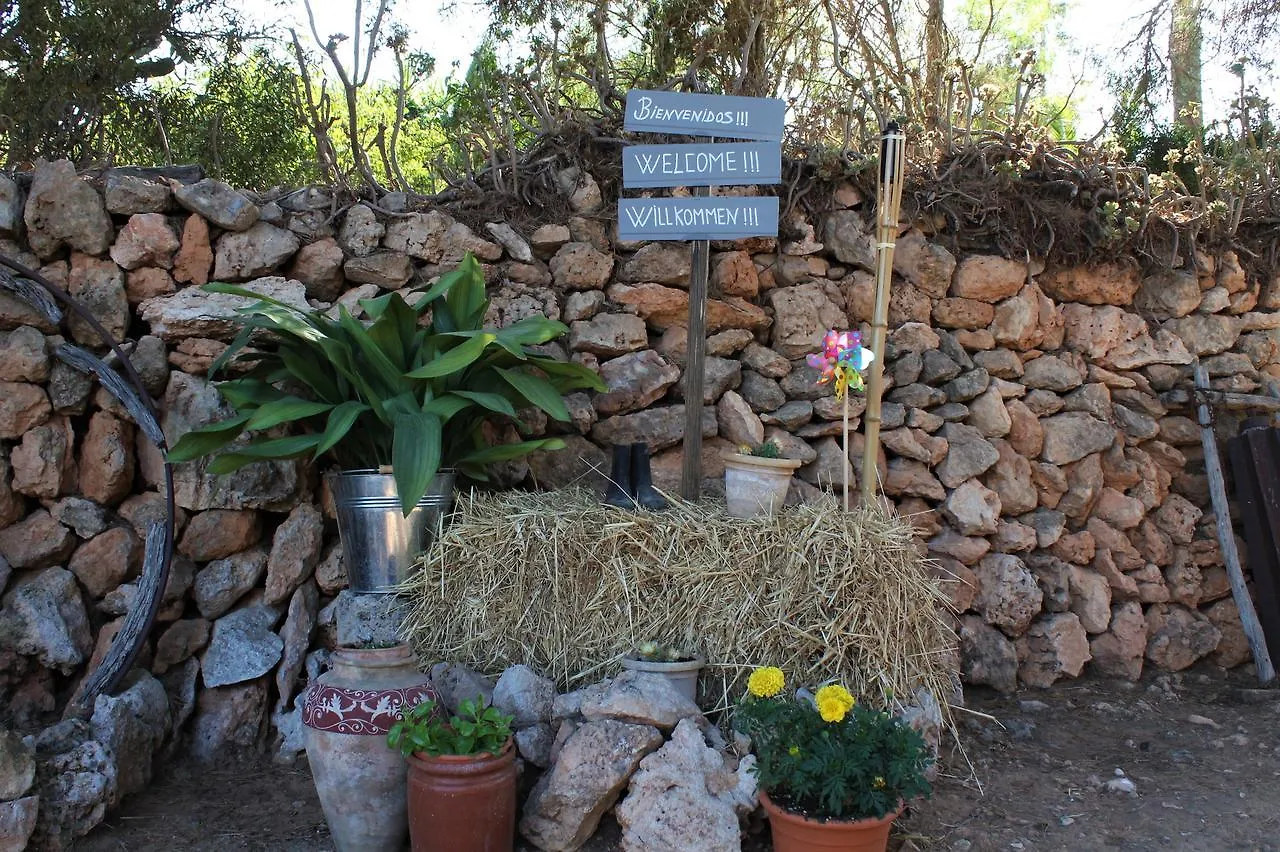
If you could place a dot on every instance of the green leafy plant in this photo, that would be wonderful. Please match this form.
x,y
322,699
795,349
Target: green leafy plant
x,y
475,730
659,652
393,392
826,756
767,450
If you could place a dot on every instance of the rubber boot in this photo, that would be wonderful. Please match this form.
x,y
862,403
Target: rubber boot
x,y
620,489
642,479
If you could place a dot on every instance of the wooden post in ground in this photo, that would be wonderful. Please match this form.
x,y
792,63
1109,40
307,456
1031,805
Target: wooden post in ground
x,y
695,366
1227,538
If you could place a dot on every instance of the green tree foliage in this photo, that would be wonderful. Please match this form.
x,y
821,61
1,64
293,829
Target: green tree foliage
x,y
845,66
67,64
736,46
240,119
1011,48
1157,83
1157,117
420,145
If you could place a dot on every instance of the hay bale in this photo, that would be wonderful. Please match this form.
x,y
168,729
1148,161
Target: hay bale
x,y
566,585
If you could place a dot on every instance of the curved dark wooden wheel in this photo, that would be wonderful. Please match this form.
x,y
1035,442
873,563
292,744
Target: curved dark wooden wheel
x,y
127,388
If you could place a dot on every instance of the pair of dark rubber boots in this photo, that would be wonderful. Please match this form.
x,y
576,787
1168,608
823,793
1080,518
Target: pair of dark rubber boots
x,y
631,481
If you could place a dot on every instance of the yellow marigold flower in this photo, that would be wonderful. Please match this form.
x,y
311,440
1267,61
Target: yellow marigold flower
x,y
766,682
878,783
835,692
831,708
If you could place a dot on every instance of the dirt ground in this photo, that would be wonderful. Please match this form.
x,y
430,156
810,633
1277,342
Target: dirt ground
x,y
1177,762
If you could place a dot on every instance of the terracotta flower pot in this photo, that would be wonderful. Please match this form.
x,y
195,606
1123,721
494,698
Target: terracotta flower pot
x,y
347,713
793,832
756,486
463,802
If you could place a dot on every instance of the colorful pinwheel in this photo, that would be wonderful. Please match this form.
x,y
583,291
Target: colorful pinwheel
x,y
842,360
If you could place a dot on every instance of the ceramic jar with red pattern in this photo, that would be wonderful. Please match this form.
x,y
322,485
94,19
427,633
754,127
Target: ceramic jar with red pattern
x,y
347,714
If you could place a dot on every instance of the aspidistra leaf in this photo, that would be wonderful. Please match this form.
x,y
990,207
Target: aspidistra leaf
x,y
466,297
249,392
393,330
538,391
507,452
533,331
390,377
201,442
285,410
456,359
492,401
415,456
240,341
339,423
569,376
271,448
311,371
447,405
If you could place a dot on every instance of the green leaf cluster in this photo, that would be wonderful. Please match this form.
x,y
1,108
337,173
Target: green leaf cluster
x,y
68,68
239,117
475,730
400,390
859,767
767,450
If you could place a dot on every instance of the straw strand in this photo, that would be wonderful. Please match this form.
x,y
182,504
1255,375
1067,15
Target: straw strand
x,y
559,582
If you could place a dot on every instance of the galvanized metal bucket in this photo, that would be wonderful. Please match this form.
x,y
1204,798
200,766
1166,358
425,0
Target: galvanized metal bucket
x,y
379,544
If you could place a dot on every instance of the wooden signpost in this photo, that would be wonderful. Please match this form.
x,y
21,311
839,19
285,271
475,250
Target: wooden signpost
x,y
719,218
701,165
691,114
703,217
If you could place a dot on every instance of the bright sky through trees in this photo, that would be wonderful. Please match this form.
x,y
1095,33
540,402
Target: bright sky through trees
x,y
447,29
1094,32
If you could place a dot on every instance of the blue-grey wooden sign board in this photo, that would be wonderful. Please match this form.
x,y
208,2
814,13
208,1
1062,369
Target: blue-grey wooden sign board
x,y
726,116
722,164
715,218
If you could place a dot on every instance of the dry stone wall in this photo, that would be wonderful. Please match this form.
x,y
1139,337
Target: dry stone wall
x,y
1023,427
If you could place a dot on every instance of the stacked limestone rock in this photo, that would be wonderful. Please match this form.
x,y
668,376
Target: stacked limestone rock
x,y
635,736
1066,505
1022,426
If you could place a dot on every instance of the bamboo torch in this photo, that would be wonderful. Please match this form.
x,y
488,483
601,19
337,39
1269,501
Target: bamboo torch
x,y
888,203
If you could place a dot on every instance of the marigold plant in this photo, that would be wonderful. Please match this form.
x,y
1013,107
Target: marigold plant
x,y
766,682
827,756
834,702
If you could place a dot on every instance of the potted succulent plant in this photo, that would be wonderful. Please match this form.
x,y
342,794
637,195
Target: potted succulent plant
x,y
462,778
676,664
833,774
756,480
397,404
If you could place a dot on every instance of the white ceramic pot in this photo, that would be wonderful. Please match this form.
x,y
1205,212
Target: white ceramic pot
x,y
683,675
755,486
